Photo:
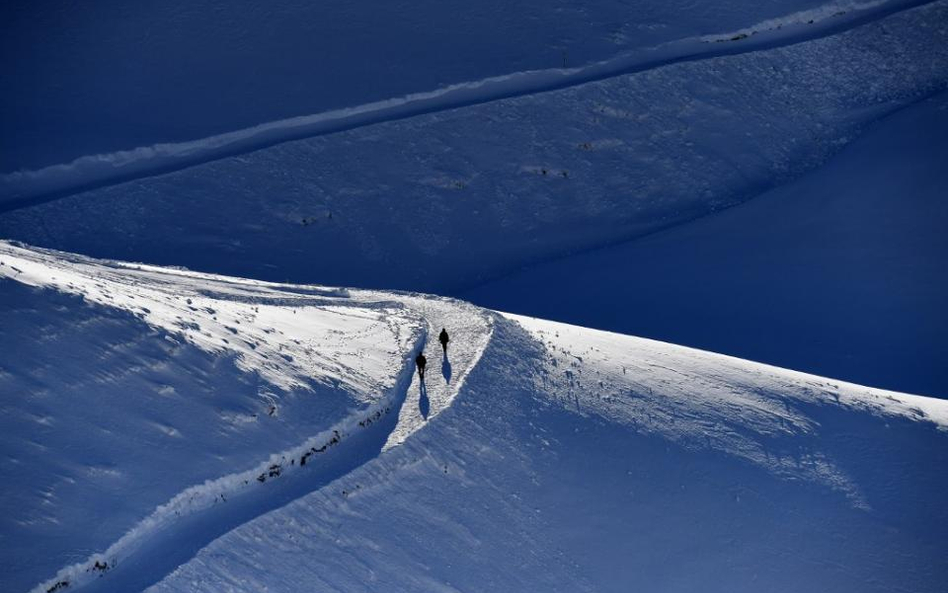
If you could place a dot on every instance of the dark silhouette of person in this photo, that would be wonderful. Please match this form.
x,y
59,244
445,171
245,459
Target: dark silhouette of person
x,y
444,339
420,362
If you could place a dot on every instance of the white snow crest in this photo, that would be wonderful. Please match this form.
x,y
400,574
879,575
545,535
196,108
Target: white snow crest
x,y
804,17
103,169
247,318
218,491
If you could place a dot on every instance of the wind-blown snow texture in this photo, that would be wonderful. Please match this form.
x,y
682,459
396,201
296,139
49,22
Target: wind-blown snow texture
x,y
125,384
840,273
110,75
96,170
170,430
398,205
543,451
576,460
442,202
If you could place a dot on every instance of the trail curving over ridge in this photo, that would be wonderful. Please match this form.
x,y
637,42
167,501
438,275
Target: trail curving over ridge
x,y
176,531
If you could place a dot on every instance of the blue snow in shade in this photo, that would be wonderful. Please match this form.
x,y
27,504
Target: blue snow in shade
x,y
839,273
96,77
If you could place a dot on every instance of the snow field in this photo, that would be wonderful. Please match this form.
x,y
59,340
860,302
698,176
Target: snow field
x,y
168,430
126,385
435,203
88,172
575,460
347,348
542,457
163,65
838,273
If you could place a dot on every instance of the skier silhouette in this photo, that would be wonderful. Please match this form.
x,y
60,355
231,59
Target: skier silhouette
x,y
420,362
444,339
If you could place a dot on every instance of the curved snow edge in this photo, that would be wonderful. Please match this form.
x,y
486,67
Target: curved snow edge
x,y
23,188
197,498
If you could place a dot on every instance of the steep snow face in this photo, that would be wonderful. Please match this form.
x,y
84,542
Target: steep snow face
x,y
110,76
840,273
122,385
437,202
578,460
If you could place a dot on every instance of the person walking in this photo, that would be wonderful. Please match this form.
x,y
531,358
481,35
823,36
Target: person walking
x,y
420,362
444,339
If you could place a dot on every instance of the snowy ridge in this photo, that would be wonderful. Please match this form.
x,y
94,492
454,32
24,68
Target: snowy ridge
x,y
703,400
580,460
24,187
250,483
516,399
248,323
199,513
804,17
242,487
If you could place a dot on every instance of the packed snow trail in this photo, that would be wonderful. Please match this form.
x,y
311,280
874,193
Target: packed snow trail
x,y
469,329
331,349
177,530
147,555
570,459
25,188
579,460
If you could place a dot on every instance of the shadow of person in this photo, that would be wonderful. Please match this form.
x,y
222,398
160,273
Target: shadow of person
x,y
424,405
446,369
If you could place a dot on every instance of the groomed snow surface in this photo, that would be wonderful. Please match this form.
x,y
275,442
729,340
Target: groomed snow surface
x,y
540,456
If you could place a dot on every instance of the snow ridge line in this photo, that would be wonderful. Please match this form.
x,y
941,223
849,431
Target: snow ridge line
x,y
26,188
198,498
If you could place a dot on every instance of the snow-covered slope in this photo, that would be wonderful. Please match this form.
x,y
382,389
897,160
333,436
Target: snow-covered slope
x,y
840,273
97,77
171,430
577,460
539,456
438,202
126,387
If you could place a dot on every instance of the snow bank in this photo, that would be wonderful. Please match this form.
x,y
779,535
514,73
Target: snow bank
x,y
576,460
92,171
437,203
230,488
125,385
163,65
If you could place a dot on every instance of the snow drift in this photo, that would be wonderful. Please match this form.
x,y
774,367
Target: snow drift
x,y
839,273
542,456
578,460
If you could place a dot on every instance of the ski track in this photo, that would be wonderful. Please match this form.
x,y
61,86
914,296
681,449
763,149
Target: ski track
x,y
26,188
178,530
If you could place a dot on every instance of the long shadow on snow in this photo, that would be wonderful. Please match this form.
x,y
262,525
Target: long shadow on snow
x,y
446,369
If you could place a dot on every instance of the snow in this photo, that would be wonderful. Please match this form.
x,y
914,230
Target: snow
x,y
839,273
241,410
111,77
557,457
435,203
22,187
141,382
577,460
